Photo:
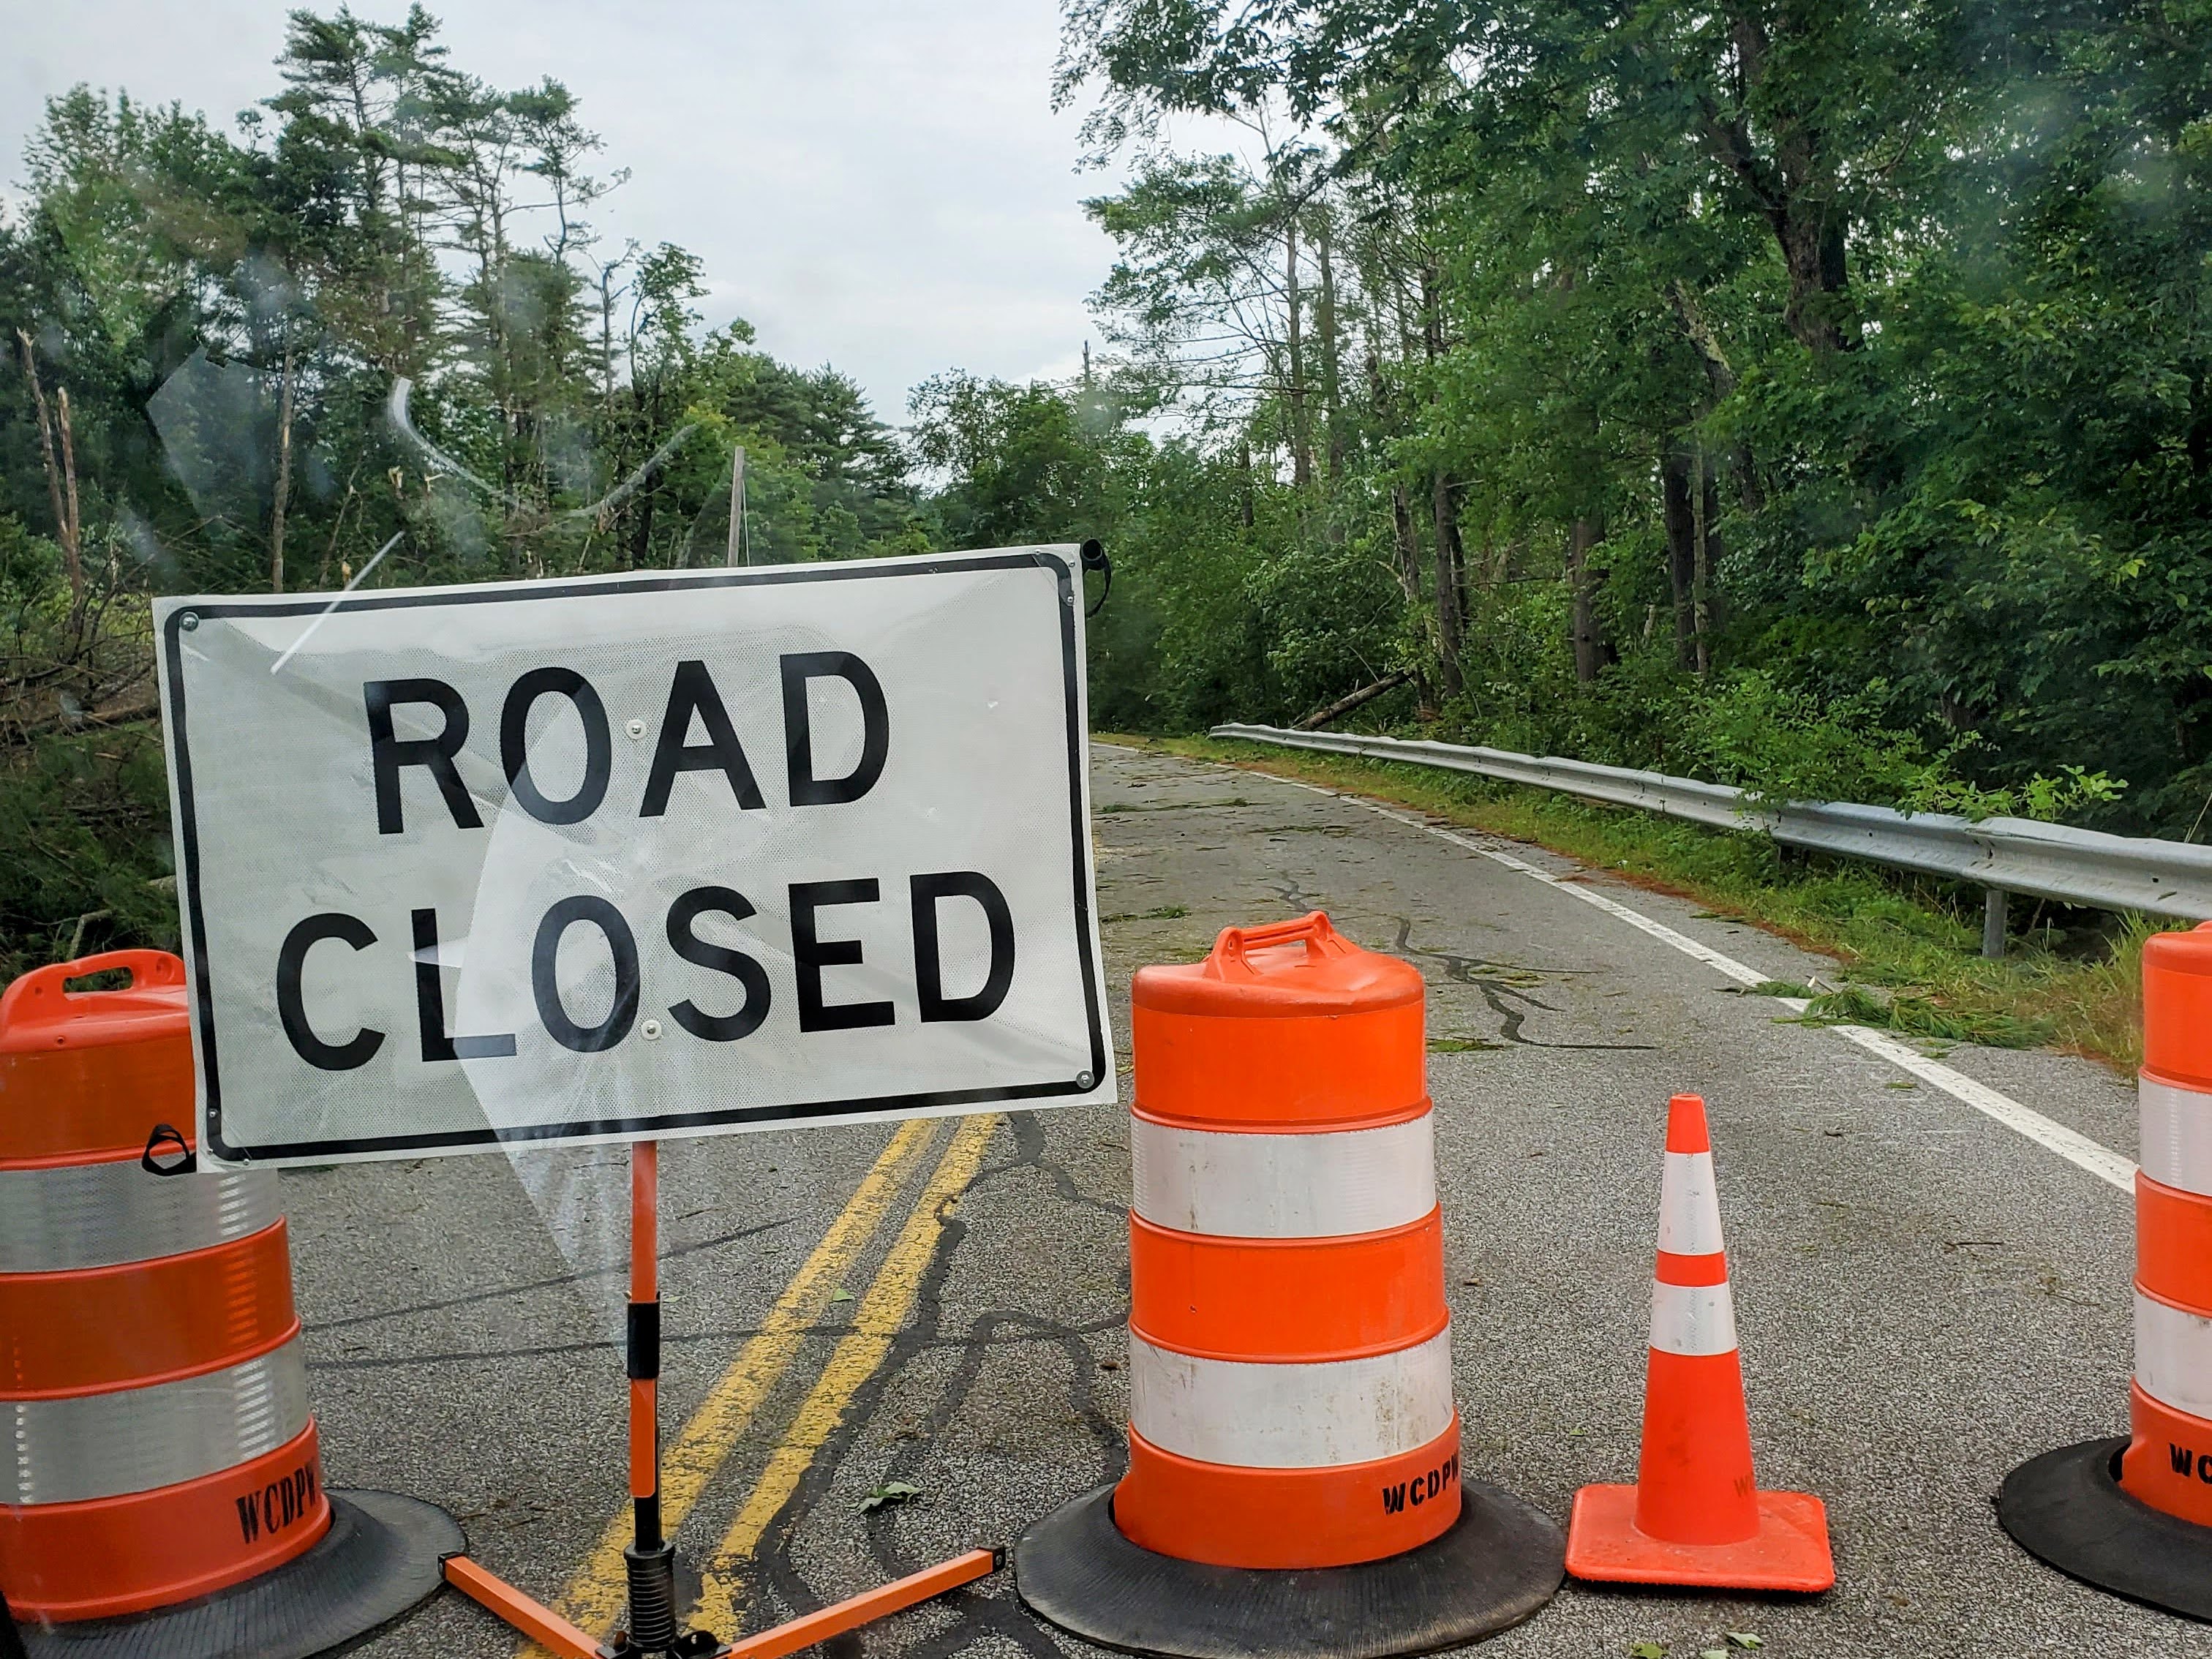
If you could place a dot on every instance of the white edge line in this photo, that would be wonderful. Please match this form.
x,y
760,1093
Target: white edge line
x,y
2076,1148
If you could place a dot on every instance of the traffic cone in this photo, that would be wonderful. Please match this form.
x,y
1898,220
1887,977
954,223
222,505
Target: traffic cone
x,y
1294,1485
1695,1515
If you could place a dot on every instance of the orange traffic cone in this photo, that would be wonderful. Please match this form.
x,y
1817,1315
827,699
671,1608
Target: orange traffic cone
x,y
1695,1515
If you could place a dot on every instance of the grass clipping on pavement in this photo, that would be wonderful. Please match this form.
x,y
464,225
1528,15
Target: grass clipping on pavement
x,y
1909,949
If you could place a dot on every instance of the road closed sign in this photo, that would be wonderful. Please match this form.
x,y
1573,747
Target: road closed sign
x,y
650,855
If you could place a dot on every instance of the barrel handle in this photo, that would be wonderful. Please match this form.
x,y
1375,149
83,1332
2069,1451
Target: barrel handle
x,y
164,1140
42,994
1313,930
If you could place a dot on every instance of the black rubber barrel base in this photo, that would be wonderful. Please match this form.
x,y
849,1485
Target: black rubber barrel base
x,y
383,1554
2067,1507
1500,1562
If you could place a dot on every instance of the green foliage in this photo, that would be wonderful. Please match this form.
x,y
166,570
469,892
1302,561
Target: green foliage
x,y
83,804
1820,398
200,340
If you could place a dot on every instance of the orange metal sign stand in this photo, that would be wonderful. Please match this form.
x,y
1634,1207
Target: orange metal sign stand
x,y
651,1559
549,1629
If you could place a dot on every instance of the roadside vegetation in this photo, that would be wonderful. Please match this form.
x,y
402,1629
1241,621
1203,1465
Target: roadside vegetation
x,y
1816,399
1907,949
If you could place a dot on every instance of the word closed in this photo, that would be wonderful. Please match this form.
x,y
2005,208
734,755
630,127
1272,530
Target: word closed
x,y
580,860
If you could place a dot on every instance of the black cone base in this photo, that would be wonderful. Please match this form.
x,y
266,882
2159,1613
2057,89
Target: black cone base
x,y
2067,1507
1500,1562
380,1557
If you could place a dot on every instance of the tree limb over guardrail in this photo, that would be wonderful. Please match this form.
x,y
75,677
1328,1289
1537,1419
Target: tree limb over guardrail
x,y
2005,855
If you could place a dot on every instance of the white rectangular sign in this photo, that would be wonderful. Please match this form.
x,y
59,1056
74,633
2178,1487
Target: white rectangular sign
x,y
660,855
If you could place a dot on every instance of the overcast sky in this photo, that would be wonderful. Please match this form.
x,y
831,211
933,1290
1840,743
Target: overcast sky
x,y
877,184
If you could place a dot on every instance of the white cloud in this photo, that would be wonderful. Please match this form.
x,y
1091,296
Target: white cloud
x,y
876,184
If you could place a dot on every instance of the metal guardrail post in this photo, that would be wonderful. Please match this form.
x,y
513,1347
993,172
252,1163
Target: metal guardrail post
x,y
2000,855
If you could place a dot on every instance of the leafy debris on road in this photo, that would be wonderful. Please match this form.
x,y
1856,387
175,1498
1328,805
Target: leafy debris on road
x,y
1744,1638
1648,1651
1779,987
891,1491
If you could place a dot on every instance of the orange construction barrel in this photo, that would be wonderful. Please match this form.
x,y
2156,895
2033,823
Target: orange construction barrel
x,y
1290,1345
1290,1402
2133,1514
151,1371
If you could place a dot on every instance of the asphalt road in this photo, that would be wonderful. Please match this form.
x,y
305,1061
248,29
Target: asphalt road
x,y
1926,1297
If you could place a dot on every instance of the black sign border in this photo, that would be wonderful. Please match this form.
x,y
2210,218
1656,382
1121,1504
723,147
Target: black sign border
x,y
674,1122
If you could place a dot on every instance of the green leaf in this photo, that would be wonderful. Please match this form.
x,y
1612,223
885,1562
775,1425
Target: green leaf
x,y
891,1491
842,1295
1648,1651
1744,1638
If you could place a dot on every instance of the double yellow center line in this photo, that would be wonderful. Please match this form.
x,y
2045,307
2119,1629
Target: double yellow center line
x,y
596,1595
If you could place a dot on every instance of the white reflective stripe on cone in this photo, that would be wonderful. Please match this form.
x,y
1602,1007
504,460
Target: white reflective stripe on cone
x,y
2177,1136
1291,1417
1692,1319
1284,1186
1689,1206
2174,1356
99,1215
102,1445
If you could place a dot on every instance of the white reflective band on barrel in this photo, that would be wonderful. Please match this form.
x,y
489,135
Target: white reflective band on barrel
x,y
97,1215
1284,1186
102,1445
1692,1319
2174,1356
1689,1206
1291,1417
2177,1136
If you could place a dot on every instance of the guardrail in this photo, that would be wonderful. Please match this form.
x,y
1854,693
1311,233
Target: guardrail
x,y
2000,855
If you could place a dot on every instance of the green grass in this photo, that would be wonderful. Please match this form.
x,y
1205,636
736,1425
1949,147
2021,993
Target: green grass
x,y
1908,948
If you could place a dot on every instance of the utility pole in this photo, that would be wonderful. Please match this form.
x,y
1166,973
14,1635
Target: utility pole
x,y
737,553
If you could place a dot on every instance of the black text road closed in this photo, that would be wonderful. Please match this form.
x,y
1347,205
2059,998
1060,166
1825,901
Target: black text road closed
x,y
663,854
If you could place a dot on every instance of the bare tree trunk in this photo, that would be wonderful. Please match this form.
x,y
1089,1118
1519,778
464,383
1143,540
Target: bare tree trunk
x,y
1451,558
1811,233
1359,699
1404,540
1590,648
65,510
1451,623
1675,487
1244,479
76,543
1701,561
1301,425
1406,543
1720,373
1331,388
283,470
607,337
